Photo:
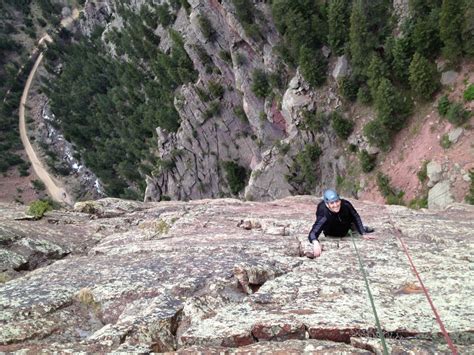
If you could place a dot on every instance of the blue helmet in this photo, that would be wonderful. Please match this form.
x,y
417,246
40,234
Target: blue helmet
x,y
330,196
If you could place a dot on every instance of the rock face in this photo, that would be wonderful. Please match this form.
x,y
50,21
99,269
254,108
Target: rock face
x,y
243,127
225,275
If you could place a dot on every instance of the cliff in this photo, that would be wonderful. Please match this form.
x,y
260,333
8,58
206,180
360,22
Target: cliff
x,y
226,275
284,142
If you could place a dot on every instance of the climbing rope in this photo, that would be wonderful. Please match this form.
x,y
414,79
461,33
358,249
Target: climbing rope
x,y
453,349
377,322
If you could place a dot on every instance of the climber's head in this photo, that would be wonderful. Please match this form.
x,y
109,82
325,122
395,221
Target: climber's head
x,y
332,200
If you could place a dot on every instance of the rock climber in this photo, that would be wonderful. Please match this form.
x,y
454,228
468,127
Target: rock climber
x,y
334,217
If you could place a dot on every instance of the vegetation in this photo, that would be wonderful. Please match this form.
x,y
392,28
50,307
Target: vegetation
x,y
450,27
38,208
469,93
314,121
260,85
313,66
240,113
338,21
470,196
423,77
38,185
236,176
367,161
303,172
420,202
443,105
445,142
391,195
342,126
456,114
246,13
348,88
423,174
303,26
206,28
109,107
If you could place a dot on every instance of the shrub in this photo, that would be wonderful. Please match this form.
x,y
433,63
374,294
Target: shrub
x,y
314,121
213,110
392,196
470,196
303,170
469,93
260,85
445,142
240,113
342,126
377,134
203,95
240,59
423,174
164,15
348,88
456,114
443,105
417,203
38,185
216,90
206,28
236,176
202,54
363,95
38,208
367,161
225,56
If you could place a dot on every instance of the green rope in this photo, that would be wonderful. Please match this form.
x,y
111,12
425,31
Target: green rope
x,y
377,322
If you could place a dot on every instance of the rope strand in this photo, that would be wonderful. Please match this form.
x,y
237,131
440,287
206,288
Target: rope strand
x,y
377,322
453,349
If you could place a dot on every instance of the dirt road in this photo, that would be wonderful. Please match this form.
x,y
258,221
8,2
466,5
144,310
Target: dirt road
x,y
54,188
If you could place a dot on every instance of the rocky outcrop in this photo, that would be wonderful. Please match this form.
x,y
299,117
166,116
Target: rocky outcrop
x,y
225,275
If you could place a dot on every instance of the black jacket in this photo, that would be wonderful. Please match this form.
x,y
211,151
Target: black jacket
x,y
335,224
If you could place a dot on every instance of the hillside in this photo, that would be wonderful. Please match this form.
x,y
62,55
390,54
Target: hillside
x,y
226,275
193,99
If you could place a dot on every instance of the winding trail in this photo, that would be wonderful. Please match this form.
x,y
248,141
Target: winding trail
x,y
57,192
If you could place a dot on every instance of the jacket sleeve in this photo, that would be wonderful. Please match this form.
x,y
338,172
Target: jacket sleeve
x,y
317,228
357,220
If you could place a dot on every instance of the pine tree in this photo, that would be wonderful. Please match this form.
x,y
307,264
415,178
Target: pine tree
x,y
425,36
402,52
450,26
358,38
468,28
376,71
387,102
338,21
423,76
313,66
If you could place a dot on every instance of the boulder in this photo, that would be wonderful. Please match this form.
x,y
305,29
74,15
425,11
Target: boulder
x,y
439,196
342,68
449,77
454,135
434,171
